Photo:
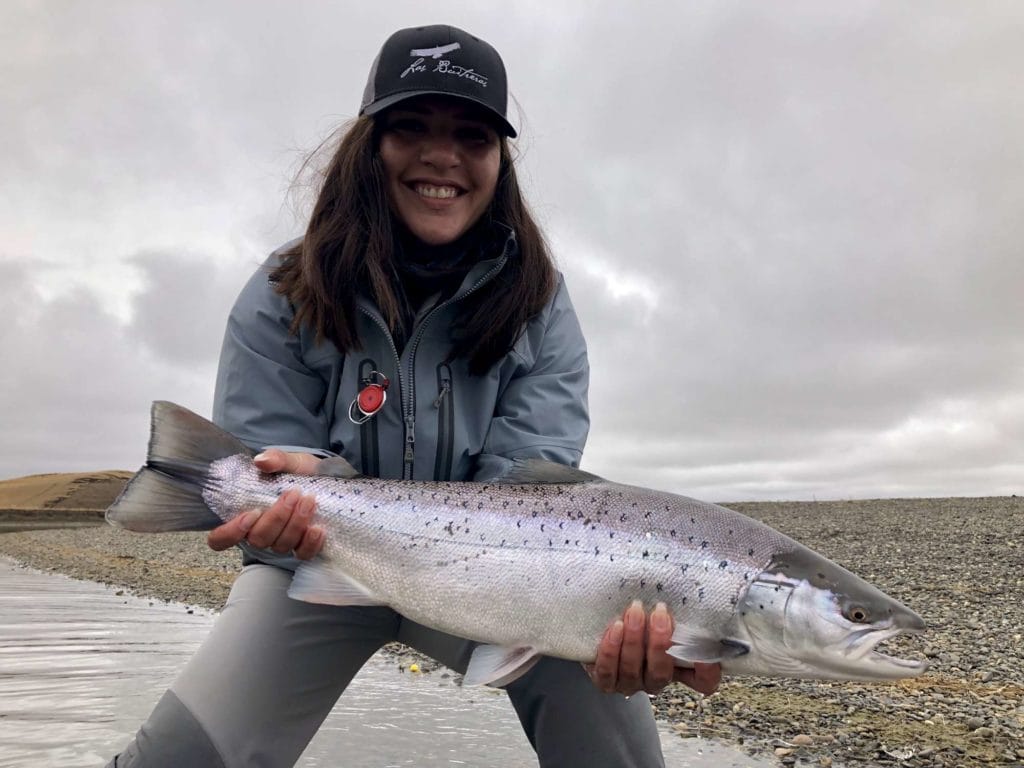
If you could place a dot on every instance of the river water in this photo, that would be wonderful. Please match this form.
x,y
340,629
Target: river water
x,y
82,665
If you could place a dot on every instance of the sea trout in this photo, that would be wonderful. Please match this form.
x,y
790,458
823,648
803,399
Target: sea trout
x,y
539,562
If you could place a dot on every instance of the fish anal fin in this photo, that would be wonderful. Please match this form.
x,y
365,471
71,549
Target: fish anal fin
x,y
316,581
692,647
497,665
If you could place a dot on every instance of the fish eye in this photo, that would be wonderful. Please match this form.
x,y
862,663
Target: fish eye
x,y
858,614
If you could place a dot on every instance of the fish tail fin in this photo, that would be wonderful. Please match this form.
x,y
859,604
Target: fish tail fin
x,y
167,494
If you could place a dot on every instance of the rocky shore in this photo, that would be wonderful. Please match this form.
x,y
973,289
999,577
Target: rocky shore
x,y
957,562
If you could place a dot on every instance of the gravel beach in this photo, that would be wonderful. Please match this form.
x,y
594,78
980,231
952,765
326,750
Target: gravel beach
x,y
957,562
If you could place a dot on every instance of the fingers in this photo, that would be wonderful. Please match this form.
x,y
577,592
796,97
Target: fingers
x,y
703,678
283,527
232,532
660,666
631,657
274,460
311,544
605,670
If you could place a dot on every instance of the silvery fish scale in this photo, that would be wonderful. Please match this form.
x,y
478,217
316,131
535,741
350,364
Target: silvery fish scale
x,y
544,565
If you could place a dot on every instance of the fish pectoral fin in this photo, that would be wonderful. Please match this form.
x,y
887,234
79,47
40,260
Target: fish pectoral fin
x,y
316,581
690,647
498,665
335,466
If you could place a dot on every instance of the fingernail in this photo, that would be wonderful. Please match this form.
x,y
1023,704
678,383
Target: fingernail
x,y
260,456
635,615
659,619
248,518
615,633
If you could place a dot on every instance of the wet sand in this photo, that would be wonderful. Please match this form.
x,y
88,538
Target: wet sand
x,y
958,562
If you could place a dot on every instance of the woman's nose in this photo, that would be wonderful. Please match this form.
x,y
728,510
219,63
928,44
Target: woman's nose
x,y
440,151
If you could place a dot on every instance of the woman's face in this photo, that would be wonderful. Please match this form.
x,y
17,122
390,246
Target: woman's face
x,y
441,159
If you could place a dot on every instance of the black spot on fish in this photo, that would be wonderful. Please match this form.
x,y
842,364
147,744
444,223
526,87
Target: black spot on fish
x,y
724,564
761,606
622,583
750,552
690,539
567,542
623,518
519,523
646,553
700,595
683,601
703,545
597,551
611,534
732,601
643,583
542,527
684,567
694,522
672,532
534,513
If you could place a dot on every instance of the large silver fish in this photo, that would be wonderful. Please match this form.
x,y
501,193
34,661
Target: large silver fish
x,y
540,562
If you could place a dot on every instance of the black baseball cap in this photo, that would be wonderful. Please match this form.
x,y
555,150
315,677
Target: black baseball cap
x,y
438,60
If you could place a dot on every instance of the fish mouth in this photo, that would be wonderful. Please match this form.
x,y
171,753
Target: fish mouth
x,y
863,646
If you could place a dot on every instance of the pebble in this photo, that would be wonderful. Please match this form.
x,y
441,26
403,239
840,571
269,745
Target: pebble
x,y
856,718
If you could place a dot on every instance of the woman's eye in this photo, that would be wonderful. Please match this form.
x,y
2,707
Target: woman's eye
x,y
407,125
473,135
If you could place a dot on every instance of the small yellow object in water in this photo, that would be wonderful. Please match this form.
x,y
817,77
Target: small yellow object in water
x,y
414,667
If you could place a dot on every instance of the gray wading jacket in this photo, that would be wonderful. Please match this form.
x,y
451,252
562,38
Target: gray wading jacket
x,y
275,388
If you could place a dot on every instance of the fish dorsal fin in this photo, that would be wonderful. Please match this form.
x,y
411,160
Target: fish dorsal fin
x,y
497,665
335,466
689,646
541,471
316,581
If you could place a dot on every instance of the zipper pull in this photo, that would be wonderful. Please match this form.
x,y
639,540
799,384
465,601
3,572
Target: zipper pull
x,y
410,438
445,389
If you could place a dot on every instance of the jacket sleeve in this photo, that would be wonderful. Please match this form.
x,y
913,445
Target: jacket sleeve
x,y
265,394
543,411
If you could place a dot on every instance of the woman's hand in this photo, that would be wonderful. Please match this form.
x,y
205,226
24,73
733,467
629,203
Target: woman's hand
x,y
284,526
632,656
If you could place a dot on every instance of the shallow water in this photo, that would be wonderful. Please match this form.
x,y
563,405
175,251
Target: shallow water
x,y
81,666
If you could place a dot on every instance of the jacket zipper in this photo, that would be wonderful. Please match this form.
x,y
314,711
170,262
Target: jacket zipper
x,y
409,391
407,387
445,405
368,435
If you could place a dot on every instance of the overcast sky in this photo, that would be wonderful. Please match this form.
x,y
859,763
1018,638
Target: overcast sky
x,y
792,230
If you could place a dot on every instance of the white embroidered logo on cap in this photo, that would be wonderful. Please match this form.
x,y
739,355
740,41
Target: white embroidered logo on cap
x,y
436,52
444,66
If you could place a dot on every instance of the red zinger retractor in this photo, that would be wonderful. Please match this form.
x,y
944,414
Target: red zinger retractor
x,y
371,398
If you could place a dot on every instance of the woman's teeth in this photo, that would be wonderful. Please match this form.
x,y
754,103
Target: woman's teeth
x,y
429,190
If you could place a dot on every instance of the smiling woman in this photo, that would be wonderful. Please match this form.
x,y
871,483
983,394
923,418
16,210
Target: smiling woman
x,y
420,331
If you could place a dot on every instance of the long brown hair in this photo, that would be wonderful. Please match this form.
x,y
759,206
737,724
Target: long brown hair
x,y
349,246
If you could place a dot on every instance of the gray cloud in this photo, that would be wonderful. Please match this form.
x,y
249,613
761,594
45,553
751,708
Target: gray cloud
x,y
792,232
